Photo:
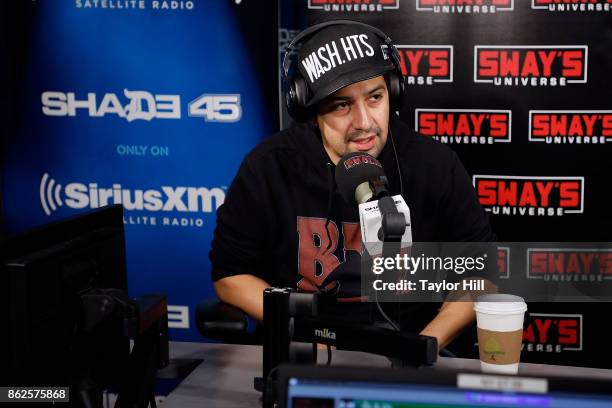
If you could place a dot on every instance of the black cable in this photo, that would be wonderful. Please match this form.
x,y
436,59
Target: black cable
x,y
384,315
397,163
152,403
329,355
272,371
330,198
268,389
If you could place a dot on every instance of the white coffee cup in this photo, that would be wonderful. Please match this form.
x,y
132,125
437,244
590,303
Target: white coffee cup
x,y
499,318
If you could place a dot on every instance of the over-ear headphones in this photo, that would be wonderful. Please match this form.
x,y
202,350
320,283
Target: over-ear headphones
x,y
297,92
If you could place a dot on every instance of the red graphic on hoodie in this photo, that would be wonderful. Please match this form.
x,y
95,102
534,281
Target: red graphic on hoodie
x,y
316,259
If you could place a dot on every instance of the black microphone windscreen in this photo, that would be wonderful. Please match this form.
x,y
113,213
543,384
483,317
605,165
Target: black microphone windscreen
x,y
354,169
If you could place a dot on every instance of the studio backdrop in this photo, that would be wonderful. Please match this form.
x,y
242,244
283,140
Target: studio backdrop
x,y
522,91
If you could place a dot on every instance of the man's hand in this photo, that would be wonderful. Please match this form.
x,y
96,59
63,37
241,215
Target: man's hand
x,y
449,322
456,313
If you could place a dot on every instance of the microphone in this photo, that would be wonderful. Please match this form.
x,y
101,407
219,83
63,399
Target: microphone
x,y
362,181
354,173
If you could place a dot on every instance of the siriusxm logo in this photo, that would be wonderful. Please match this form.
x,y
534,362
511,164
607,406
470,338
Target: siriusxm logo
x,y
166,198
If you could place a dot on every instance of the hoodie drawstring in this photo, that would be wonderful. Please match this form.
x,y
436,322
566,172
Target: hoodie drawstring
x,y
330,201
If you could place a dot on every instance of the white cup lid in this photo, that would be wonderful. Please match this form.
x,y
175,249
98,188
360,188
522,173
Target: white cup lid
x,y
500,304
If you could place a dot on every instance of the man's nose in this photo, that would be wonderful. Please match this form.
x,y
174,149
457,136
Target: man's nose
x,y
361,117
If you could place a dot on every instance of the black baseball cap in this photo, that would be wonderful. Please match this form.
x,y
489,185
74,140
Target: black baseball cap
x,y
340,55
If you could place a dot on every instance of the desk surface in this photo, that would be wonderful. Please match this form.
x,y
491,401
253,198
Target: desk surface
x,y
225,377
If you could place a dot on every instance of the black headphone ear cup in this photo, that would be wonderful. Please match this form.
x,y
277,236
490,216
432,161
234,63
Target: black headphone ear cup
x,y
290,98
402,89
396,90
300,96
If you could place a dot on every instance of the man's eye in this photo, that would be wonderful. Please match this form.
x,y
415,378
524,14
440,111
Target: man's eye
x,y
341,106
376,97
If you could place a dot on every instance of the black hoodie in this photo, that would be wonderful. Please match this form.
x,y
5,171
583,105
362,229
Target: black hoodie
x,y
273,221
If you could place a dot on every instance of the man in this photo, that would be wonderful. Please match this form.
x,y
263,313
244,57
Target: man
x,y
284,223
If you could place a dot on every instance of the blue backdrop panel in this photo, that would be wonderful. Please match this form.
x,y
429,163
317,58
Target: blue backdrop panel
x,y
143,104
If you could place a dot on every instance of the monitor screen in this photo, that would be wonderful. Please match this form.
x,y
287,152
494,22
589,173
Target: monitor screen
x,y
53,277
431,388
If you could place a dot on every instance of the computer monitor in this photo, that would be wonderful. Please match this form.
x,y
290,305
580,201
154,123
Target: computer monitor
x,y
354,387
58,327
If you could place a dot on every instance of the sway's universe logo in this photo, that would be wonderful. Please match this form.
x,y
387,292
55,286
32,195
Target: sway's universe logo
x,y
529,195
530,65
142,105
165,199
572,5
465,126
503,262
570,127
426,64
569,264
553,333
353,5
464,6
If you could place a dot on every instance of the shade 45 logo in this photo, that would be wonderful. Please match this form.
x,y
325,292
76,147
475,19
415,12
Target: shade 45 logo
x,y
353,5
533,196
426,64
530,65
141,105
465,126
572,5
77,195
553,333
570,127
464,6
569,264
